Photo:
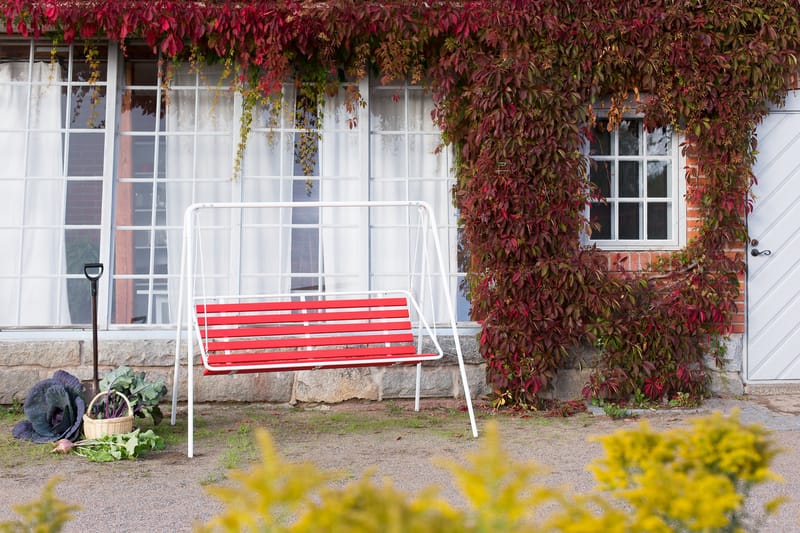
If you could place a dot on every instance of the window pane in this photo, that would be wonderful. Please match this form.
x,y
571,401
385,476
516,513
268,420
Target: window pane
x,y
423,159
658,223
159,310
305,250
600,214
88,108
34,240
86,154
658,179
659,142
40,165
80,300
83,246
420,106
306,283
600,142
629,221
180,117
13,192
84,202
140,72
387,110
600,177
132,252
11,239
629,132
139,111
43,202
82,71
629,172
142,204
388,156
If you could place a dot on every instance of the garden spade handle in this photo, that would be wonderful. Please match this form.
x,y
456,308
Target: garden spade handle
x,y
93,271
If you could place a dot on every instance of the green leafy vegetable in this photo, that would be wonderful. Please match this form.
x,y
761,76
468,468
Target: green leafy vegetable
x,y
143,395
120,446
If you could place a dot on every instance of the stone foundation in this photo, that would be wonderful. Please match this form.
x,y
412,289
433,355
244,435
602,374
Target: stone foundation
x,y
24,362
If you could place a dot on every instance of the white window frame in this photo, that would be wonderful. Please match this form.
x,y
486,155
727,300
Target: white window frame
x,y
677,195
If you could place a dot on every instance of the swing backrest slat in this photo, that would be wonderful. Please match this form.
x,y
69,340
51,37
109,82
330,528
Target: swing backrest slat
x,y
291,335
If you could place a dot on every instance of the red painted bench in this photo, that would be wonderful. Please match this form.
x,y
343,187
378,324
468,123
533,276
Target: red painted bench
x,y
238,333
267,336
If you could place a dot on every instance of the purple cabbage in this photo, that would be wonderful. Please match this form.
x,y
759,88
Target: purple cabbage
x,y
54,410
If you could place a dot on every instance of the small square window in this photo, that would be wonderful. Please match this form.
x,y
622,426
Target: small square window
x,y
634,196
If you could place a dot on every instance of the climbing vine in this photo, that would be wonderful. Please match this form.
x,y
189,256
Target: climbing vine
x,y
516,84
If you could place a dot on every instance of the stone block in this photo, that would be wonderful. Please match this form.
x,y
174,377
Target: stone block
x,y
478,386
734,355
15,384
138,353
569,383
271,387
726,384
337,385
400,382
50,354
470,350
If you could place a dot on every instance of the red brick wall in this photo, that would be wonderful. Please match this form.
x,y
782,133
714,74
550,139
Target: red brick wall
x,y
639,261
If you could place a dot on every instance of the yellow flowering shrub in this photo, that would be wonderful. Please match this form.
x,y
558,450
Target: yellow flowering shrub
x,y
48,514
687,479
679,480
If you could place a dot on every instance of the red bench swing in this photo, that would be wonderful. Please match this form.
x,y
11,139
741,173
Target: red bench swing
x,y
312,330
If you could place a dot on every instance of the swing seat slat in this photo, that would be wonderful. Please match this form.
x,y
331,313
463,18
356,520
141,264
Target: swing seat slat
x,y
295,335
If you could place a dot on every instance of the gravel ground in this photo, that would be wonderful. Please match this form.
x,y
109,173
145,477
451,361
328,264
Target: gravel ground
x,y
166,491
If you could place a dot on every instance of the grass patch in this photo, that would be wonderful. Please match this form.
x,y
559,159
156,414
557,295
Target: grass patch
x,y
16,452
226,431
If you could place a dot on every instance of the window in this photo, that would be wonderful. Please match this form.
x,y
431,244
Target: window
x,y
54,134
634,174
96,178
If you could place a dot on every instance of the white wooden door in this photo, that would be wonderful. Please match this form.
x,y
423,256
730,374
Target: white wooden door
x,y
773,258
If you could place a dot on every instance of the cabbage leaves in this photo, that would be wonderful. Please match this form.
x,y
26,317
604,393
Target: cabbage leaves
x,y
54,410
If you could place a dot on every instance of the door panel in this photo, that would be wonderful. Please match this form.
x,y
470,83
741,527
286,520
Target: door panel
x,y
773,277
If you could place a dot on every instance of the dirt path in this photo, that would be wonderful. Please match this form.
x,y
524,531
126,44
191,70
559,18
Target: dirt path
x,y
165,491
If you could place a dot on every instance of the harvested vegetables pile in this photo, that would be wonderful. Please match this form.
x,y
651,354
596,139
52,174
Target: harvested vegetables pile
x,y
112,447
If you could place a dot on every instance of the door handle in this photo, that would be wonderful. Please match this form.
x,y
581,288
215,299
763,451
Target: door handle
x,y
755,252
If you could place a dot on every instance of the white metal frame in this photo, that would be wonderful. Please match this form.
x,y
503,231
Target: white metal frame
x,y
188,298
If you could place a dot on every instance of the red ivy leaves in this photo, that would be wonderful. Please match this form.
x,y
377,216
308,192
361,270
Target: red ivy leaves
x,y
513,81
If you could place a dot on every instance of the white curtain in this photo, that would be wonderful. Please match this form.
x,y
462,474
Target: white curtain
x,y
237,252
344,230
406,165
266,234
199,152
32,187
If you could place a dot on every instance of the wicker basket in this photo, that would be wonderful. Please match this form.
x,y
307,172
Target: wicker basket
x,y
94,428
